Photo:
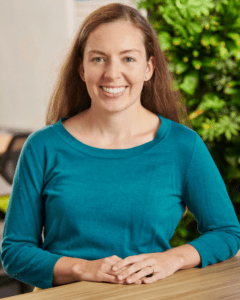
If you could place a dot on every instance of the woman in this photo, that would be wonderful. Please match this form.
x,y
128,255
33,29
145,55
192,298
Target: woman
x,y
109,176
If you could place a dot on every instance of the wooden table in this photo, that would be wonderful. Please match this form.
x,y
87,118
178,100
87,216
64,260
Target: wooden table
x,y
5,139
218,281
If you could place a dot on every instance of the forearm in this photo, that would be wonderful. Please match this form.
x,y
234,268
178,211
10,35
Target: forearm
x,y
187,255
63,272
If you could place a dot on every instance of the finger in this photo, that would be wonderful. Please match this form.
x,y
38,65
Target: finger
x,y
116,273
115,259
126,261
112,260
108,278
138,276
142,265
126,283
152,279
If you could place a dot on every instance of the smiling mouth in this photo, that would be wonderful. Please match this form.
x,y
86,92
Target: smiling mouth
x,y
113,91
119,87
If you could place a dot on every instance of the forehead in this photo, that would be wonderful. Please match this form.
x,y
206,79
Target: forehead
x,y
119,33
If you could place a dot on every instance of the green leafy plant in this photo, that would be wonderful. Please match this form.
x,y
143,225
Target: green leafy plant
x,y
201,40
3,205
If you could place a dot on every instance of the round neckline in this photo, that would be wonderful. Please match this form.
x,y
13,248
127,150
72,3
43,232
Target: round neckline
x,y
109,153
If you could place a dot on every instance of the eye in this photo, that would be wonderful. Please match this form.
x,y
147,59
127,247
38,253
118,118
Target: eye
x,y
96,58
131,58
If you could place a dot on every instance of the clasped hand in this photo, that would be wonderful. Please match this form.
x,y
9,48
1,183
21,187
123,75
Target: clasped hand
x,y
138,267
132,269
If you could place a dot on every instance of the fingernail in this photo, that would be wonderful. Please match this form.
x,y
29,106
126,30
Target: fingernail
x,y
139,281
120,277
114,268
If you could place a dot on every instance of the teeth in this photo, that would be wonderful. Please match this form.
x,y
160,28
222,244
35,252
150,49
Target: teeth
x,y
113,91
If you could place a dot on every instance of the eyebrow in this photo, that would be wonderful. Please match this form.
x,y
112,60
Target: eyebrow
x,y
122,52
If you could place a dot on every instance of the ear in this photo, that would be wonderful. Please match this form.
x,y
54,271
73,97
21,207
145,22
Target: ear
x,y
81,72
151,65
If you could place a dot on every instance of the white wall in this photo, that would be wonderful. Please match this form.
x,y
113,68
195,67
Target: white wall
x,y
34,37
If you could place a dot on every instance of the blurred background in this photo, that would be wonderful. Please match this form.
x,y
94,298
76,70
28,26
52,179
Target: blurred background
x,y
201,40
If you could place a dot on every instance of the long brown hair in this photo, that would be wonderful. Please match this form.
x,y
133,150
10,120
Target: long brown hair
x,y
159,96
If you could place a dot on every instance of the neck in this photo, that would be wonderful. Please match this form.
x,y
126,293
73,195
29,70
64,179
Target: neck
x,y
118,126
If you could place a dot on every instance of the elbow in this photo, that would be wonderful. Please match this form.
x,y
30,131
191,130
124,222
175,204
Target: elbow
x,y
238,253
7,263
7,268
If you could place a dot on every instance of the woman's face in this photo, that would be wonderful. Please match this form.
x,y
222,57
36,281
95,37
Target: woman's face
x,y
107,63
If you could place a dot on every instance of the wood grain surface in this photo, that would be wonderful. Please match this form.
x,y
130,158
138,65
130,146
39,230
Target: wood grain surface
x,y
218,281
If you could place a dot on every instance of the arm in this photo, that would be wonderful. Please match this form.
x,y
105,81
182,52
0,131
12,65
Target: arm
x,y
24,255
206,196
187,255
63,271
21,251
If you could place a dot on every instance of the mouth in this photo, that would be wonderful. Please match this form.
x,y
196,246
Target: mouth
x,y
115,87
113,92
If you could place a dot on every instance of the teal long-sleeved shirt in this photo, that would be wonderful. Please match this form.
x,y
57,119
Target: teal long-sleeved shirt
x,y
94,203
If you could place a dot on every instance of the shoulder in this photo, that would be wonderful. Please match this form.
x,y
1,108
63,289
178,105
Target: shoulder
x,y
40,138
183,137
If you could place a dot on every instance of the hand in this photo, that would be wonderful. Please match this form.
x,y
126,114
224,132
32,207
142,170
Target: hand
x,y
164,264
99,270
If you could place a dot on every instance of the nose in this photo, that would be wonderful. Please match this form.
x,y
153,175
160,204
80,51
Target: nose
x,y
113,69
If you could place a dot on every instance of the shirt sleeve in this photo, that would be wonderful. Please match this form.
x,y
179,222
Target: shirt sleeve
x,y
206,196
21,253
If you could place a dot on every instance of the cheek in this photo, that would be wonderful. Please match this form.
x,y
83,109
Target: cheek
x,y
92,76
138,73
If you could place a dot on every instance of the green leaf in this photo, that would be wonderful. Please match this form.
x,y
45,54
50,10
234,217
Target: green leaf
x,y
236,198
235,132
235,116
230,91
183,231
177,40
4,200
215,40
164,40
233,173
211,101
232,46
182,9
181,67
232,160
234,36
228,135
237,54
206,38
197,64
195,27
168,19
224,52
199,7
182,30
228,125
209,61
192,102
195,53
233,83
172,67
190,82
211,129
